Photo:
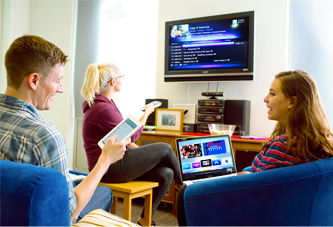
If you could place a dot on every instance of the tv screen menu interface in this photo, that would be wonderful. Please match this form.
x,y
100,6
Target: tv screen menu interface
x,y
209,45
204,155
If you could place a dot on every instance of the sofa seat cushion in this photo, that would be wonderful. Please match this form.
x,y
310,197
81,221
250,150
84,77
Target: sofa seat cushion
x,y
100,217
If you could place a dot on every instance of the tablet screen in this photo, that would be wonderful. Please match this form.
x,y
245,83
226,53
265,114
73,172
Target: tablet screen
x,y
123,130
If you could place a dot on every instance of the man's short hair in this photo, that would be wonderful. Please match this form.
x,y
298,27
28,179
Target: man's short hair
x,y
31,54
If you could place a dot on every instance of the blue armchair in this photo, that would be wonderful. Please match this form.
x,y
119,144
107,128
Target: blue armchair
x,y
32,196
299,195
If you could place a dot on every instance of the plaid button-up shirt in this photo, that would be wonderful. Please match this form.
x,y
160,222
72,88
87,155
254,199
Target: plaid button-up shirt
x,y
26,138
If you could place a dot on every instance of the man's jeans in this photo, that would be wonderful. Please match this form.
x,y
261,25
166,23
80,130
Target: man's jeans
x,y
101,199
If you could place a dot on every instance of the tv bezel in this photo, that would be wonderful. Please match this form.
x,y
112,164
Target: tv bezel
x,y
199,75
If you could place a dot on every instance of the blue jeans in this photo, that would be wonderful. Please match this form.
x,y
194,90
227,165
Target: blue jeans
x,y
101,199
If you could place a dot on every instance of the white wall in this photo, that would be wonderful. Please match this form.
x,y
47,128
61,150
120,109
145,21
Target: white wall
x,y
53,20
311,46
271,45
14,23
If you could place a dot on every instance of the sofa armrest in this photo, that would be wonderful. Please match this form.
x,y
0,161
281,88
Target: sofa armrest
x,y
33,196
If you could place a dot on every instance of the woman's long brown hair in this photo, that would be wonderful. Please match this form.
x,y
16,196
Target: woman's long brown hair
x,y
307,120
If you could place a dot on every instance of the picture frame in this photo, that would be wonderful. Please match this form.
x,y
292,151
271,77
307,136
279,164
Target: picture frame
x,y
189,112
169,119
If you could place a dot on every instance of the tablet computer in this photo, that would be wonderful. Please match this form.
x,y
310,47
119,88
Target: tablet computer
x,y
124,130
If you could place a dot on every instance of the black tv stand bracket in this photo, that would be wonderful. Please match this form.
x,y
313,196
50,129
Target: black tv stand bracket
x,y
213,94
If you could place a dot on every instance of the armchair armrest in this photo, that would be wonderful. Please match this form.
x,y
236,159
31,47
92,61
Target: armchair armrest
x,y
33,195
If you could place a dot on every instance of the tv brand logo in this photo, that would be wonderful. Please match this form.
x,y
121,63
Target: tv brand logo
x,y
205,71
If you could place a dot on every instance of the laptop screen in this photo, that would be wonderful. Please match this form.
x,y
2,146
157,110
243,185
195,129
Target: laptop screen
x,y
205,156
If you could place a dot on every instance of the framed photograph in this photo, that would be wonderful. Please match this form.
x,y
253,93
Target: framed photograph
x,y
169,119
189,112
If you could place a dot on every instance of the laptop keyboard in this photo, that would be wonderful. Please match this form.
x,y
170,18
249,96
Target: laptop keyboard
x,y
210,178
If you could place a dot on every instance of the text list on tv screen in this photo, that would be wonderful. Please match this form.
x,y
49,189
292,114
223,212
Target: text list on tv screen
x,y
219,44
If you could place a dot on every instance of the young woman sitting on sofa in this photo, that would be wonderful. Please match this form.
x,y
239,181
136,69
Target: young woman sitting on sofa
x,y
302,133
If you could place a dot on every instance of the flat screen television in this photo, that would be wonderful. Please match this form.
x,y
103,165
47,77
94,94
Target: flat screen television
x,y
214,48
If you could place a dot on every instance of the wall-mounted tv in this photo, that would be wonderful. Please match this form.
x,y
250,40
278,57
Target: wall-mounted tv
x,y
214,48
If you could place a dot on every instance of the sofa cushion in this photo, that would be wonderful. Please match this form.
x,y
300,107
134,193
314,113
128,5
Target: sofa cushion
x,y
100,217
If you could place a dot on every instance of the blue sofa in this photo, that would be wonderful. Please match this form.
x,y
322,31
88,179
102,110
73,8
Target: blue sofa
x,y
32,196
300,195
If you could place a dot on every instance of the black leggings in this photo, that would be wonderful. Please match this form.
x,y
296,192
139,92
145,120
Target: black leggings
x,y
153,162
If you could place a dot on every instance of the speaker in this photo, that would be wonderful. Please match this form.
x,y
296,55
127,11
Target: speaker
x,y
151,117
237,112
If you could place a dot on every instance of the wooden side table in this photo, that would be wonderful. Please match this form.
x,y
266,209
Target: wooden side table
x,y
131,190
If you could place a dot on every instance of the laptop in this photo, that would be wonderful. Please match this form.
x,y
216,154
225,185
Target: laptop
x,y
205,158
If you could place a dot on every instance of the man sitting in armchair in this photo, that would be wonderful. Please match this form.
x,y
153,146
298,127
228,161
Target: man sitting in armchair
x,y
35,68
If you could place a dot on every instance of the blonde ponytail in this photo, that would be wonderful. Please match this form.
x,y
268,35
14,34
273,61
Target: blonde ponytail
x,y
97,80
91,84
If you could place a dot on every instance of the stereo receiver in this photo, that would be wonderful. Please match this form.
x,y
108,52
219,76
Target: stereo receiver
x,y
211,102
211,118
210,110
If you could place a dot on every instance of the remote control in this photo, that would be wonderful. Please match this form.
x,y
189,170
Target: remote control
x,y
155,103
